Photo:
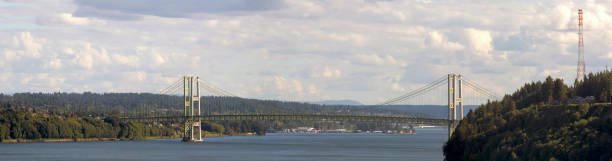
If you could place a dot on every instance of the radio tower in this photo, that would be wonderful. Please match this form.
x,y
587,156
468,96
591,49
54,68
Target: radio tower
x,y
580,73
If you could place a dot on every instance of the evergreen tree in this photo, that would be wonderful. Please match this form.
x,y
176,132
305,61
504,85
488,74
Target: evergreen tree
x,y
528,125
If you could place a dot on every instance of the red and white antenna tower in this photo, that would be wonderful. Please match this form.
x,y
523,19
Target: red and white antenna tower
x,y
580,73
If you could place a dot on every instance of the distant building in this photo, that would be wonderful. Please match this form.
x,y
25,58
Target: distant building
x,y
580,100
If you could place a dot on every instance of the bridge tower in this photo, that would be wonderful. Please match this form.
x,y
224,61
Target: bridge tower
x,y
455,95
193,127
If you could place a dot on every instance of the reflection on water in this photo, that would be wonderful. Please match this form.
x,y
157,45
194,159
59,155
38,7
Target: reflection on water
x,y
425,145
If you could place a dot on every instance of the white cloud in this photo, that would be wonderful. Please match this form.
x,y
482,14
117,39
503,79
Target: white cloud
x,y
298,49
375,59
133,77
281,83
297,86
158,59
42,80
68,19
24,44
438,40
26,80
596,17
357,39
550,72
126,60
50,81
4,77
9,55
87,56
212,23
85,60
562,17
258,90
327,72
397,87
304,8
479,41
609,56
287,85
312,89
54,64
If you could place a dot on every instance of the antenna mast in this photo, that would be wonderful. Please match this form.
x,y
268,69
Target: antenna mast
x,y
580,71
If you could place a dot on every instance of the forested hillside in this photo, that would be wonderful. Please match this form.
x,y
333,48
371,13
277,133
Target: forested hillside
x,y
541,121
154,104
435,111
20,124
91,115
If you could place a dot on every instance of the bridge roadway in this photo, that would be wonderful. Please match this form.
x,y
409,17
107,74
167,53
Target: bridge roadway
x,y
294,117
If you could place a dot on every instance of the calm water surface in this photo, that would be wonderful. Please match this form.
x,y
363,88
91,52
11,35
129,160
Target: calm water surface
x,y
424,146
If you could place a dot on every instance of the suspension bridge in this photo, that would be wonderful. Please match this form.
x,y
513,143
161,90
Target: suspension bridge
x,y
459,91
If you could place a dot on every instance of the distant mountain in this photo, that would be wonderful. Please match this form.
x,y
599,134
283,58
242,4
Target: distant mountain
x,y
338,102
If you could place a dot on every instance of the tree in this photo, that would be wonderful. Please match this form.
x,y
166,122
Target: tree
x,y
547,90
560,91
539,129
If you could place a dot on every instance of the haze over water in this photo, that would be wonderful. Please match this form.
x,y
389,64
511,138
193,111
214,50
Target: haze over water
x,y
426,145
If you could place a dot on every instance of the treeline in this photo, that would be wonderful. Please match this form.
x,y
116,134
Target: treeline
x,y
259,128
234,127
131,104
541,121
20,124
236,105
69,113
596,86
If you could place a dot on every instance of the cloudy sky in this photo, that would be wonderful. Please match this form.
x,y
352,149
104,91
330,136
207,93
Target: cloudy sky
x,y
310,50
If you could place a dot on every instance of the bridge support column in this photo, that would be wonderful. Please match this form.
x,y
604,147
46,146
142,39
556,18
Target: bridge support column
x,y
455,95
187,102
451,104
192,122
460,95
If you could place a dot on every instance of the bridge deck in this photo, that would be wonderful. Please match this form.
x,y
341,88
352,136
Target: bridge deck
x,y
397,119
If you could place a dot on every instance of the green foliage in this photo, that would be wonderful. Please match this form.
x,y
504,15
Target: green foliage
x,y
535,123
78,108
234,127
213,127
132,104
549,92
563,132
598,85
19,124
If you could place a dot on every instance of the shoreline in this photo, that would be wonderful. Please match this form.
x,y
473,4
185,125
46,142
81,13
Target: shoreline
x,y
55,140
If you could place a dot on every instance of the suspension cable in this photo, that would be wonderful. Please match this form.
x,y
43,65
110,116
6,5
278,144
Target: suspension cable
x,y
213,89
416,92
480,89
171,87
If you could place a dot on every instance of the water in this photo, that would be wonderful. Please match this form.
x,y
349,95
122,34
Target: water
x,y
426,145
